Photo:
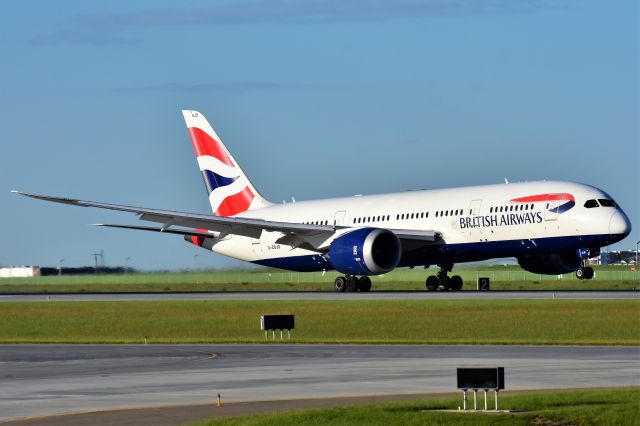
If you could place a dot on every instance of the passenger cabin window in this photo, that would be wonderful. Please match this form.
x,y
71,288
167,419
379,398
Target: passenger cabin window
x,y
591,204
606,203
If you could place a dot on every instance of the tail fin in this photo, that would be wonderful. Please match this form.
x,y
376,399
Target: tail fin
x,y
230,192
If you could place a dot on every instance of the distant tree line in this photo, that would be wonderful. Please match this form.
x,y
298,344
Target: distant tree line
x,y
85,270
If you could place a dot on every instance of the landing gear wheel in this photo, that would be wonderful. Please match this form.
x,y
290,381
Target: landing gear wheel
x,y
444,284
455,283
432,283
581,273
588,273
352,284
340,284
364,284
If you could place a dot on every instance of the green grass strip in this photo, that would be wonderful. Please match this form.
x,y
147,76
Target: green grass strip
x,y
585,407
572,322
265,279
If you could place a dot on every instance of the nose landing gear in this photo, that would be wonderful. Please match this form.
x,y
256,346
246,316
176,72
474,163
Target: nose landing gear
x,y
584,273
442,282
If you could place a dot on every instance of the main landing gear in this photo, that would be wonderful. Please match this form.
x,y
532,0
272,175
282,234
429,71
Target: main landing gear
x,y
442,282
351,283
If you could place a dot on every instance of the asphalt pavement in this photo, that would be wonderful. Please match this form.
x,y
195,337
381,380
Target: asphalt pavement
x,y
325,295
41,380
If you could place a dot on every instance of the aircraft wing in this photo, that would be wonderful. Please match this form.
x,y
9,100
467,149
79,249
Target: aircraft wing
x,y
296,234
247,227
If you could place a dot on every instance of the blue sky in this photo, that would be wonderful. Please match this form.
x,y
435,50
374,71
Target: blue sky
x,y
314,98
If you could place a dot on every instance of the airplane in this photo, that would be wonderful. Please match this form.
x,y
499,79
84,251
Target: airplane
x,y
550,227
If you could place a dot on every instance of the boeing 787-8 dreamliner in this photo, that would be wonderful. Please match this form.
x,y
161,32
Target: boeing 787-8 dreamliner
x,y
550,227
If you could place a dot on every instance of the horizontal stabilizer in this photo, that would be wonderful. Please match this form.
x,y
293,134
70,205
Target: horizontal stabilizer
x,y
187,232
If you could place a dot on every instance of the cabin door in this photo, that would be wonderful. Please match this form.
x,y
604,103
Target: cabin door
x,y
474,207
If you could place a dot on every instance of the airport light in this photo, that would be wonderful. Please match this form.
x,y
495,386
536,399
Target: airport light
x,y
636,264
60,267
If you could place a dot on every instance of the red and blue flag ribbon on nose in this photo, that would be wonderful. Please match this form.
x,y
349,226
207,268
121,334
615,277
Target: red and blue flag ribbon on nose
x,y
561,208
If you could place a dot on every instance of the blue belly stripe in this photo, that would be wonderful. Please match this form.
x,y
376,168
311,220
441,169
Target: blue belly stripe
x,y
458,253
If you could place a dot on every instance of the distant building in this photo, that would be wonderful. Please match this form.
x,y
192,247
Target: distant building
x,y
595,260
623,257
20,272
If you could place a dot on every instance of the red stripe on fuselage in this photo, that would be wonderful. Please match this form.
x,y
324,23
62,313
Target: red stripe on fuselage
x,y
203,144
236,203
544,197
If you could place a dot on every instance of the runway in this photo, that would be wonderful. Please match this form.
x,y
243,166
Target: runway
x,y
320,295
41,380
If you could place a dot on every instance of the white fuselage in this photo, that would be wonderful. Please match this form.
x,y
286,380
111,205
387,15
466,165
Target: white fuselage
x,y
475,223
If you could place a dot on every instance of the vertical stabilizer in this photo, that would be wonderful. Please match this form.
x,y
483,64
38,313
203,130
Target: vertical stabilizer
x,y
230,192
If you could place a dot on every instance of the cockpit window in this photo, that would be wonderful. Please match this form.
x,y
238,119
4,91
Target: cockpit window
x,y
591,204
606,203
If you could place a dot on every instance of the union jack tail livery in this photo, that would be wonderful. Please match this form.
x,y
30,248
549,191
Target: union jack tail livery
x,y
230,192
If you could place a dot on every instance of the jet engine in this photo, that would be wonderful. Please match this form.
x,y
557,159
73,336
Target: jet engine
x,y
551,264
366,251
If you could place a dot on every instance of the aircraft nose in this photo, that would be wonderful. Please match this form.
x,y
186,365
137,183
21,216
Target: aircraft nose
x,y
619,224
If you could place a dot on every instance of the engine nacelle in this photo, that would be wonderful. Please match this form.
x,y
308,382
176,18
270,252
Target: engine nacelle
x,y
366,251
551,264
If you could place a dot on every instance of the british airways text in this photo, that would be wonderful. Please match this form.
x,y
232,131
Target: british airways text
x,y
502,220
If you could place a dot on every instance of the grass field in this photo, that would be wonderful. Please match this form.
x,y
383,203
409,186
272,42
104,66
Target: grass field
x,y
572,322
585,407
260,279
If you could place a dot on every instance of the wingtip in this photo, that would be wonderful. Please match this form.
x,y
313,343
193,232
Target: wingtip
x,y
25,194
